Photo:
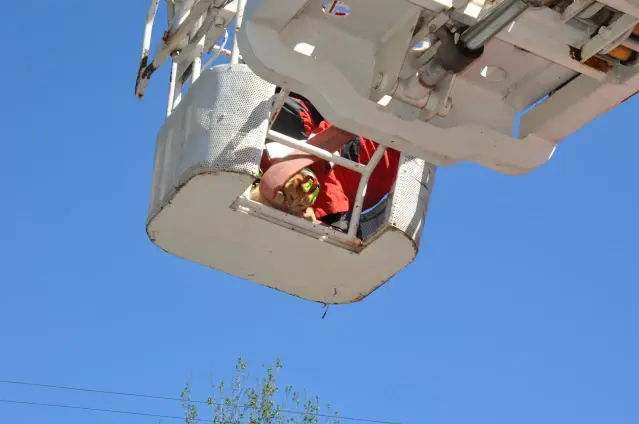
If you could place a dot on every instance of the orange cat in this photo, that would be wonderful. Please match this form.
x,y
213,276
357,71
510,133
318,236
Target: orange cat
x,y
296,197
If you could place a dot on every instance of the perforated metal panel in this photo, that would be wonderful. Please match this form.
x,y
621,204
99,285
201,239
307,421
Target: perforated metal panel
x,y
374,220
406,206
410,197
220,125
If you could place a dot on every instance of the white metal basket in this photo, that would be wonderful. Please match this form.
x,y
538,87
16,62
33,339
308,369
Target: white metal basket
x,y
208,154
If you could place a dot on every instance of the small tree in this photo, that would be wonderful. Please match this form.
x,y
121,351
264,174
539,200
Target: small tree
x,y
260,404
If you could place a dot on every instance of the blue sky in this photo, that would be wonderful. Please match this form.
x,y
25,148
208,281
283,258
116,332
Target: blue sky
x,y
522,306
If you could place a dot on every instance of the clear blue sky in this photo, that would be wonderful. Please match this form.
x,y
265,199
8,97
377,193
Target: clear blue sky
x,y
522,306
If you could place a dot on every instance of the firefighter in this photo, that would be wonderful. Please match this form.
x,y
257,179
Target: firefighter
x,y
299,119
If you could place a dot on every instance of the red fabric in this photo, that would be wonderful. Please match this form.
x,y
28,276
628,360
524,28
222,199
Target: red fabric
x,y
339,185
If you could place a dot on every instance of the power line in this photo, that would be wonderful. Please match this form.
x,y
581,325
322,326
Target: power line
x,y
146,414
145,396
84,408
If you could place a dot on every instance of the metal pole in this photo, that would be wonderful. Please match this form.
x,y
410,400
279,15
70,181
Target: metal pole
x,y
148,29
356,213
235,52
499,18
172,84
316,151
197,62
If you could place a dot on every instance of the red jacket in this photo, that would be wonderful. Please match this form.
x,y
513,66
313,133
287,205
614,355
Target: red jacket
x,y
339,185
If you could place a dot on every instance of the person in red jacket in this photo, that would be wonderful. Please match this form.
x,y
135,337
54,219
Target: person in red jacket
x,y
339,185
299,119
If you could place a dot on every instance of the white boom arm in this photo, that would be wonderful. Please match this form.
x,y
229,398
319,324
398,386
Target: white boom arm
x,y
446,80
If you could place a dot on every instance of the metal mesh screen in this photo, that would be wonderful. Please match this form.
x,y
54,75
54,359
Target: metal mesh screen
x,y
405,208
220,125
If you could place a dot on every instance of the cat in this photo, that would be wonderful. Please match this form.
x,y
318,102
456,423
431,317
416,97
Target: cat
x,y
296,197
